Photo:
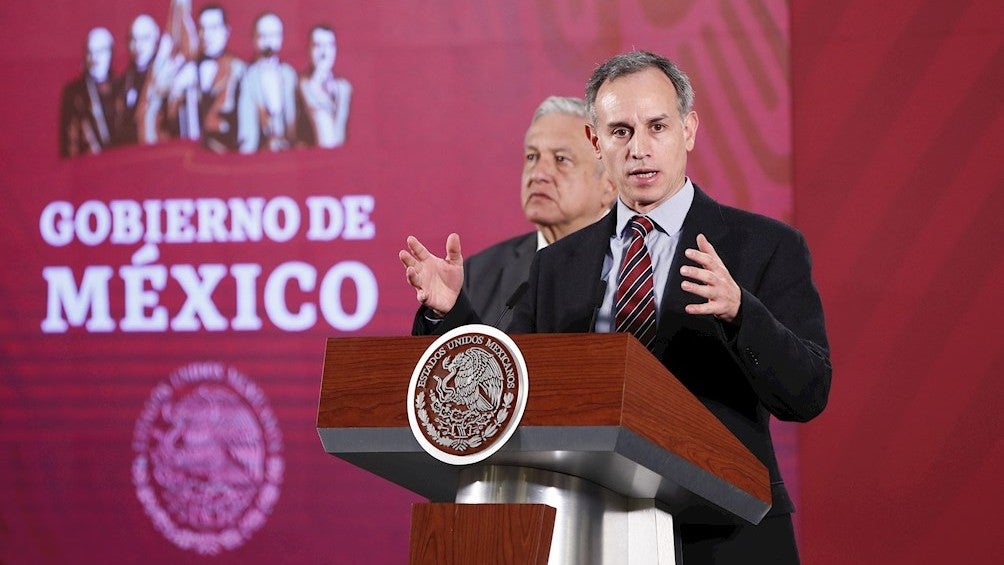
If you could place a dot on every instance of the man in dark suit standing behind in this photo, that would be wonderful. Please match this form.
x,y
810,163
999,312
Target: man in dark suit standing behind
x,y
87,108
563,188
738,319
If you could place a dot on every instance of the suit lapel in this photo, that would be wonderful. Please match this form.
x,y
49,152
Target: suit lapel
x,y
703,217
517,267
515,260
584,287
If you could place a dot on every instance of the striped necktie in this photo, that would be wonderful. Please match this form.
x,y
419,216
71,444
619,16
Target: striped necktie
x,y
635,305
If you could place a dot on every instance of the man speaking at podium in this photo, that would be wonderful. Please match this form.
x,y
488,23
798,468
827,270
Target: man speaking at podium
x,y
723,297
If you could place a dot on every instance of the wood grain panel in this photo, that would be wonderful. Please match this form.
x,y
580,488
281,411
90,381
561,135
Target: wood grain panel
x,y
471,534
662,410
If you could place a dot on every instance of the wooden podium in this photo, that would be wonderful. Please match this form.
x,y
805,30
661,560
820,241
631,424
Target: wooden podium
x,y
610,439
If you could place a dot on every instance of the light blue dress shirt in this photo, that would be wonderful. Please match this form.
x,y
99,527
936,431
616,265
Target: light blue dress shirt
x,y
661,242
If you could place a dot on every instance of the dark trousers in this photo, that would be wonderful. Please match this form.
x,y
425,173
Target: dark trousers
x,y
772,542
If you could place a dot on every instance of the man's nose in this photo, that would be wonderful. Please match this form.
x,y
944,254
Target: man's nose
x,y
543,169
640,146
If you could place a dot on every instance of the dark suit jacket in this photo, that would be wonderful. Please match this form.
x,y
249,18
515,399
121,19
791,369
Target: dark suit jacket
x,y
490,278
86,125
774,361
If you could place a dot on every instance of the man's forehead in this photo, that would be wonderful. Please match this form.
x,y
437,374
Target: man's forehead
x,y
99,38
144,26
566,130
646,95
269,23
323,37
211,17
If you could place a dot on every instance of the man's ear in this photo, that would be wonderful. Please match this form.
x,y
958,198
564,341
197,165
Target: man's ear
x,y
609,191
593,140
690,123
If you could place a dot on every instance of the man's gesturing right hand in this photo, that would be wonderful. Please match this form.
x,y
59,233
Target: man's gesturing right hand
x,y
437,282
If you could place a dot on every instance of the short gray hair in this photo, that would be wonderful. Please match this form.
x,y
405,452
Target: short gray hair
x,y
634,62
561,105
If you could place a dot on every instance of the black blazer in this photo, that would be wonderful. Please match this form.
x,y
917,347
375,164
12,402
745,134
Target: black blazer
x,y
491,276
775,361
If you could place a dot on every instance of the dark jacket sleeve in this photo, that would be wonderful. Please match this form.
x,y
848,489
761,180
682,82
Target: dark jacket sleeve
x,y
781,340
461,314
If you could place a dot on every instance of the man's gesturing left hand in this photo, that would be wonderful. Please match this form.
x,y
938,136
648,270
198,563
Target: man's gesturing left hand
x,y
712,281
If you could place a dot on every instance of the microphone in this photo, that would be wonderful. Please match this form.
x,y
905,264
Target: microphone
x,y
513,299
599,304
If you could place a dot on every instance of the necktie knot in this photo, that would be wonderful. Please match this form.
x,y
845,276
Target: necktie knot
x,y
641,225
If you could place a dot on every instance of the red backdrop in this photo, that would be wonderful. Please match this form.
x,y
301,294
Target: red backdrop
x,y
898,186
156,385
895,185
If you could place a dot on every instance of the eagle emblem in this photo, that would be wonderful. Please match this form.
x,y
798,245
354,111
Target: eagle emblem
x,y
467,394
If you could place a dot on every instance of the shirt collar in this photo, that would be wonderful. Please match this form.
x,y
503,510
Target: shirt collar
x,y
541,240
668,216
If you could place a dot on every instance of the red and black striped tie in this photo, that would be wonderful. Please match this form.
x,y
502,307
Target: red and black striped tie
x,y
635,307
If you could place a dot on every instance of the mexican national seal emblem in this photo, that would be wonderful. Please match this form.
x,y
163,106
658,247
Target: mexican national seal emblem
x,y
208,460
467,394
